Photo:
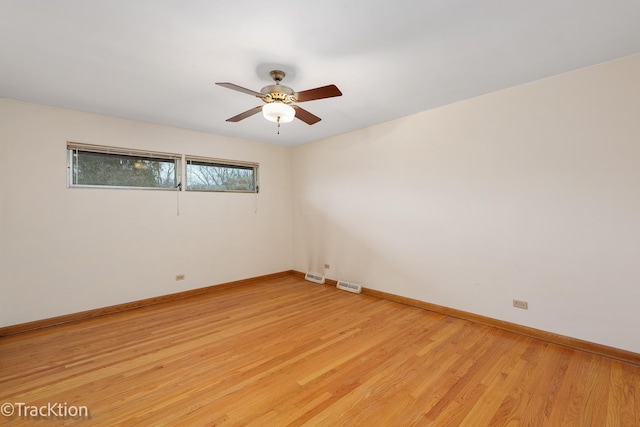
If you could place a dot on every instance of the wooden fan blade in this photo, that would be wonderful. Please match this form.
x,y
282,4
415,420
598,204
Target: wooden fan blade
x,y
240,89
306,116
328,91
246,114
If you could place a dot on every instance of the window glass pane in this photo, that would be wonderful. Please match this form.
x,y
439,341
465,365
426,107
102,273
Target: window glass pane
x,y
117,170
203,176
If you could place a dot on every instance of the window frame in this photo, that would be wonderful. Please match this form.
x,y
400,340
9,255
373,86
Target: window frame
x,y
232,164
74,147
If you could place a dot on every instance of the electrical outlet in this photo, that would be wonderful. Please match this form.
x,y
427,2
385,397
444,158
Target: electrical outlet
x,y
327,266
521,304
179,276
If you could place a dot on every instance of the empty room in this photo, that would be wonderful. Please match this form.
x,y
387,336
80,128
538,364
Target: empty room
x,y
337,213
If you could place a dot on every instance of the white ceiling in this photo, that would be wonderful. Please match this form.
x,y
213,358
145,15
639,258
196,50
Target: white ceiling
x,y
157,60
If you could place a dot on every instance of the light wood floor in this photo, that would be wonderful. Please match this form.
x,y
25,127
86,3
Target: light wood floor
x,y
289,352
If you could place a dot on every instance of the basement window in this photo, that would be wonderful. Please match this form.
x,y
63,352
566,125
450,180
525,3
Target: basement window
x,y
98,166
204,174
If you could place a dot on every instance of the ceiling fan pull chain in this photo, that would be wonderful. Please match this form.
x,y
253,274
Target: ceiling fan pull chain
x,y
278,125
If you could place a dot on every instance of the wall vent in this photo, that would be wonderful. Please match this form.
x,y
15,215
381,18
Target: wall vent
x,y
350,287
316,278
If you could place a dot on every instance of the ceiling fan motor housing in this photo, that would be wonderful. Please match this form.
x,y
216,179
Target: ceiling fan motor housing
x,y
277,92
273,93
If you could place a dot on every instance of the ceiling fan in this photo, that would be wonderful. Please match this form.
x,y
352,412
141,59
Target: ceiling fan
x,y
280,101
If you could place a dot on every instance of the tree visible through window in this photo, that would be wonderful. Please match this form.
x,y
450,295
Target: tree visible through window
x,y
212,175
114,169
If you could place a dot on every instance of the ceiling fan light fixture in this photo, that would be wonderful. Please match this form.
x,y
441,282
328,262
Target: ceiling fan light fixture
x,y
278,112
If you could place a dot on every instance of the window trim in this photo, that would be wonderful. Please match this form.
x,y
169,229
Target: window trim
x,y
73,147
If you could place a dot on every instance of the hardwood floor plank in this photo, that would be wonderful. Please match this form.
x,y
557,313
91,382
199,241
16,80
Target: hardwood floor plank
x,y
620,409
497,381
463,395
551,372
288,352
594,404
568,400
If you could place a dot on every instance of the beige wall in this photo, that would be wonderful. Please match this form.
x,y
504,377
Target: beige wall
x,y
530,193
68,250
